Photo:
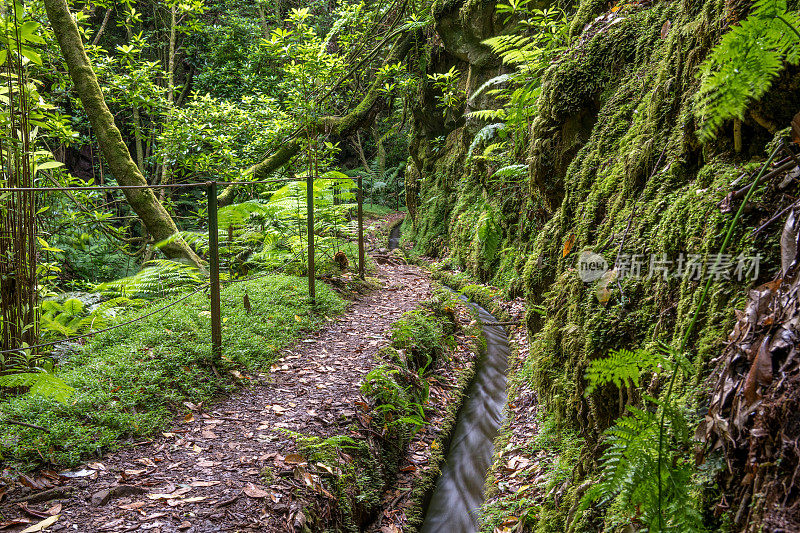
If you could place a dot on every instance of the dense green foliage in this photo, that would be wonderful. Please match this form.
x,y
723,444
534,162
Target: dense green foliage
x,y
517,134
129,381
746,62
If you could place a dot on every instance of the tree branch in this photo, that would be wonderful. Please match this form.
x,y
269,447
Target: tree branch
x,y
338,126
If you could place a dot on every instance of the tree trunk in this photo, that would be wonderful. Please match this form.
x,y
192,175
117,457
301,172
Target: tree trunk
x,y
137,131
263,18
102,26
170,78
158,222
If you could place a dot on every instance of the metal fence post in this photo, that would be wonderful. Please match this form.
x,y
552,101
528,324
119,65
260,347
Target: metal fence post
x,y
312,293
213,252
360,197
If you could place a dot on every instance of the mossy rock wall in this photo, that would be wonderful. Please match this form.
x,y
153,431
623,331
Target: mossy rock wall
x,y
615,165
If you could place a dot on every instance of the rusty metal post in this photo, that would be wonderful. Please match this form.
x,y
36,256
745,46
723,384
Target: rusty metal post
x,y
360,196
310,218
213,253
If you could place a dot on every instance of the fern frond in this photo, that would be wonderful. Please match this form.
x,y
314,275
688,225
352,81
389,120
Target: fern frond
x,y
158,278
487,133
623,368
743,66
73,307
487,114
494,82
39,383
512,171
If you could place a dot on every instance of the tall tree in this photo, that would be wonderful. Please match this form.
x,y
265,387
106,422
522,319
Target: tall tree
x,y
155,218
362,116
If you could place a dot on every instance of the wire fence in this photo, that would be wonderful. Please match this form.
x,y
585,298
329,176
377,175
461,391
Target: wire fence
x,y
211,219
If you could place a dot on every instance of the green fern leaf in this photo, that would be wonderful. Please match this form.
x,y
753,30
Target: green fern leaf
x,y
39,383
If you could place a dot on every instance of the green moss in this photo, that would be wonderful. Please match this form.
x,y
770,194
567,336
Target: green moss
x,y
615,163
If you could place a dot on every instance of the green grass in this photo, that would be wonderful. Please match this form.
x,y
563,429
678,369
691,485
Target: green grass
x,y
376,210
130,381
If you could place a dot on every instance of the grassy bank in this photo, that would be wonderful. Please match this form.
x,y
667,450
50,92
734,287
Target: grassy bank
x,y
129,381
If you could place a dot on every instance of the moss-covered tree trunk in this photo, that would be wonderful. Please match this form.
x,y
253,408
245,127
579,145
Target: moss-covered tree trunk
x,y
155,218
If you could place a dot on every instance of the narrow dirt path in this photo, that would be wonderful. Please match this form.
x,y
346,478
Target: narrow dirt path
x,y
208,472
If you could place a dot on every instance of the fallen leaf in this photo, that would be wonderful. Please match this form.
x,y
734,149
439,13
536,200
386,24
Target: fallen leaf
x,y
96,466
54,510
204,483
602,291
188,418
665,29
35,484
32,512
132,506
84,472
760,372
570,242
184,525
182,501
293,459
255,491
789,242
47,522
171,495
11,523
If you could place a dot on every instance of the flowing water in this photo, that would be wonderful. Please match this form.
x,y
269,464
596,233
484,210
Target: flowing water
x,y
459,491
394,237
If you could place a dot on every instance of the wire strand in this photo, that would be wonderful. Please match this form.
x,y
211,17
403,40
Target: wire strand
x,y
127,322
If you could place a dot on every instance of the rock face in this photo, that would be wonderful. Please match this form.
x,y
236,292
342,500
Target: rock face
x,y
614,167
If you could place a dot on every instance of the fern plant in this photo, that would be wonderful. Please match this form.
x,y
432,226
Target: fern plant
x,y
638,471
157,279
632,459
486,134
72,318
38,383
516,172
743,66
321,449
538,37
624,368
392,401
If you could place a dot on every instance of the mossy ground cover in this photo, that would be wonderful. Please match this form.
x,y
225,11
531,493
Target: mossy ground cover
x,y
129,381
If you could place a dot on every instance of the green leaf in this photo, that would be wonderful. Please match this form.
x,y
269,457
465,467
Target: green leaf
x,y
31,55
49,165
28,28
39,383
